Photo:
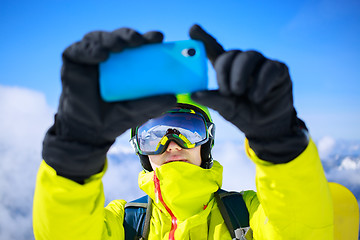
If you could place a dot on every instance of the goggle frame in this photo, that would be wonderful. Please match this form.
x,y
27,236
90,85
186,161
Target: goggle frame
x,y
182,141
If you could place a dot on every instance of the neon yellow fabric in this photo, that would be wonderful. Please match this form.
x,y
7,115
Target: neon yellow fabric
x,y
64,209
295,198
188,191
346,212
61,206
295,203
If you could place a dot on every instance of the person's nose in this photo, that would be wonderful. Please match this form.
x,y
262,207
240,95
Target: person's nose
x,y
173,146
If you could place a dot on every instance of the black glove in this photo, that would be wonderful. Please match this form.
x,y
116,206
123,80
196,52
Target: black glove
x,y
255,94
85,126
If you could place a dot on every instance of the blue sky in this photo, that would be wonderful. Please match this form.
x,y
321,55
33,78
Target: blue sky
x,y
318,40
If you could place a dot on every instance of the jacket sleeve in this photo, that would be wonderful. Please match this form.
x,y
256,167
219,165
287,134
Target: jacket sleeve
x,y
293,200
64,209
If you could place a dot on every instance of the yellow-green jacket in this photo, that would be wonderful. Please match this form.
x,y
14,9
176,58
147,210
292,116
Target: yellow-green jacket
x,y
292,202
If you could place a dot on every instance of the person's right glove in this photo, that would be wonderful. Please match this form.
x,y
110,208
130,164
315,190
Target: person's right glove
x,y
85,125
255,94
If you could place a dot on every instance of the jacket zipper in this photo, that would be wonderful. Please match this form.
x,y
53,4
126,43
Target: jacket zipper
x,y
159,197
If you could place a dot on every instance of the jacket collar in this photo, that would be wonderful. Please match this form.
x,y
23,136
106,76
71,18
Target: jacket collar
x,y
186,189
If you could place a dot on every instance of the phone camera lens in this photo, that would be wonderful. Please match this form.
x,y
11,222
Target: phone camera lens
x,y
189,52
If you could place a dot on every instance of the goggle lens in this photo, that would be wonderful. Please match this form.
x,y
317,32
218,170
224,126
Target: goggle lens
x,y
187,129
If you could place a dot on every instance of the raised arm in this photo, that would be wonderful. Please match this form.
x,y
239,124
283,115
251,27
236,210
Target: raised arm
x,y
255,94
69,201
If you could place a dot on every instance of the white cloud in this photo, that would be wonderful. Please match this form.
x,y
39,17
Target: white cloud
x,y
325,146
350,178
349,164
239,170
346,172
121,147
25,116
121,178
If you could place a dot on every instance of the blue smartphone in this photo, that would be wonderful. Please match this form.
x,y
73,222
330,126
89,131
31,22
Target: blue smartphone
x,y
153,69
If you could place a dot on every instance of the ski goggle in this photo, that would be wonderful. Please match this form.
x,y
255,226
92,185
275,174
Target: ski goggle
x,y
186,127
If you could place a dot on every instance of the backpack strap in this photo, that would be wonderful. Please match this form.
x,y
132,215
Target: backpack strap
x,y
137,218
235,213
146,227
231,205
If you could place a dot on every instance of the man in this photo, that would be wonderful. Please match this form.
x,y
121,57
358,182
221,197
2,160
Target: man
x,y
255,94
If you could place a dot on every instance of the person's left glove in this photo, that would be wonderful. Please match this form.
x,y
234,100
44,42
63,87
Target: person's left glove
x,y
255,94
86,126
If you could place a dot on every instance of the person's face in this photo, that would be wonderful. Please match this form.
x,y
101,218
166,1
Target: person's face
x,y
175,153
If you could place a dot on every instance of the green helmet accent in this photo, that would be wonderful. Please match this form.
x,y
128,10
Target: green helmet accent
x,y
186,99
